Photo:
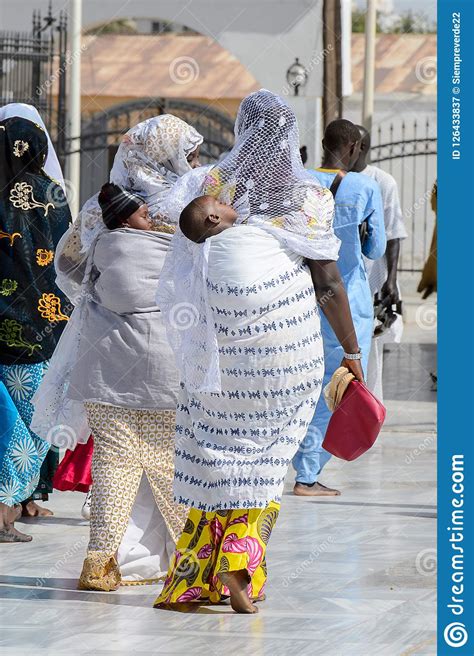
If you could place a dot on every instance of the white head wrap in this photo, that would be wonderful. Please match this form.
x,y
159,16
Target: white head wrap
x,y
152,156
264,179
51,166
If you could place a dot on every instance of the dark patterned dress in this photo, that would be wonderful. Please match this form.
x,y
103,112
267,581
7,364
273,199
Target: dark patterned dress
x,y
34,214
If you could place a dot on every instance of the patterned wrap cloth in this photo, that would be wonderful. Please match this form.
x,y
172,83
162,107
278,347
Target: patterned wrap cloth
x,y
242,317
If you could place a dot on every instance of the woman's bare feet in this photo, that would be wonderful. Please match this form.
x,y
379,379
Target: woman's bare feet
x,y
31,509
237,582
11,534
8,533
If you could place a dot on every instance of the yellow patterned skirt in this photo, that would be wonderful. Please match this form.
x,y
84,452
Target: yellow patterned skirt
x,y
214,542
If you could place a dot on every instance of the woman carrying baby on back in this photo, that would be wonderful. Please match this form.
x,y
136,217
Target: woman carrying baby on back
x,y
250,266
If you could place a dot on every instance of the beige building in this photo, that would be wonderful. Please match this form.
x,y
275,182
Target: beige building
x,y
121,68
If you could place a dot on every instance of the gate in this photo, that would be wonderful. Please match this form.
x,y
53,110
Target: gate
x,y
102,134
408,152
33,71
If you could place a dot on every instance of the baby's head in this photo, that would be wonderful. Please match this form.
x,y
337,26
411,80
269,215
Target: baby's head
x,y
205,217
120,209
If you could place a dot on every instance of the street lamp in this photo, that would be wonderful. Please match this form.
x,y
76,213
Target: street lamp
x,y
297,76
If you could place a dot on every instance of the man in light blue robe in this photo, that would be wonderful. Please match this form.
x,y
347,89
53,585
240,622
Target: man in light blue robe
x,y
357,200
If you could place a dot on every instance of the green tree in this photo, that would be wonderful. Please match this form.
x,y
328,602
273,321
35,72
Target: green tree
x,y
409,22
119,26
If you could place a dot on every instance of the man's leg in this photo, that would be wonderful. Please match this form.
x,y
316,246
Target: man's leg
x,y
311,457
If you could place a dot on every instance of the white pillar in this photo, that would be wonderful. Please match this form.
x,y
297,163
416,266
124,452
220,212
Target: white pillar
x,y
74,163
308,112
369,65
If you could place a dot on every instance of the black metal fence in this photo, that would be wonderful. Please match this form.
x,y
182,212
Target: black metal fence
x,y
408,150
33,71
101,135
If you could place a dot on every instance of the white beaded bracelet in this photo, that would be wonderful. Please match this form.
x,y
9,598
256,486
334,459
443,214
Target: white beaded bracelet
x,y
353,356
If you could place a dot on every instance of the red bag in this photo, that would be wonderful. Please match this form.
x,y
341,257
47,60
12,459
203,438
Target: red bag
x,y
74,470
355,423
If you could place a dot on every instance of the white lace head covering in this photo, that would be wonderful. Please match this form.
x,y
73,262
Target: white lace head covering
x,y
264,179
22,110
152,156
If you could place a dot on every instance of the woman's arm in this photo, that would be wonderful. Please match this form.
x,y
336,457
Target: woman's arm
x,y
332,299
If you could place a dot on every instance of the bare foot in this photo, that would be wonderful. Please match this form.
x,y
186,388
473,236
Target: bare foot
x,y
315,490
31,509
237,582
10,534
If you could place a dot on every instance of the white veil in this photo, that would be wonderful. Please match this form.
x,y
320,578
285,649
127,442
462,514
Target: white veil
x,y
264,179
51,166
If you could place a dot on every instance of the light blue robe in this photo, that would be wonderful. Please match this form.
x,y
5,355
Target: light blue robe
x,y
357,199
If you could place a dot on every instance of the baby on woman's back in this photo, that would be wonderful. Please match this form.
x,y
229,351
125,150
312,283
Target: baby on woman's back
x,y
205,217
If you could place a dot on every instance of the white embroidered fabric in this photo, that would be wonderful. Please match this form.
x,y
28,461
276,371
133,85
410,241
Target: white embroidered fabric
x,y
264,179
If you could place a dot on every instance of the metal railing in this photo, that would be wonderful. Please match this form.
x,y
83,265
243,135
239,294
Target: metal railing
x,y
33,71
103,132
408,152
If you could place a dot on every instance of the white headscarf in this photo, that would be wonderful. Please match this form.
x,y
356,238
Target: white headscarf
x,y
51,166
152,156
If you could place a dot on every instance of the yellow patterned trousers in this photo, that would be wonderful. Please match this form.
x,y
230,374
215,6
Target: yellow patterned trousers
x,y
127,443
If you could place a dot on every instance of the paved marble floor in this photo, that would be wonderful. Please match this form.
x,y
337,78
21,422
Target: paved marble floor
x,y
349,576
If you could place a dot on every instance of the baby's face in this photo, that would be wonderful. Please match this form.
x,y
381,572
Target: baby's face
x,y
226,213
140,219
205,217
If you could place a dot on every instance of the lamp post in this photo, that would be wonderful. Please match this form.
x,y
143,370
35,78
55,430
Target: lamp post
x,y
297,76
